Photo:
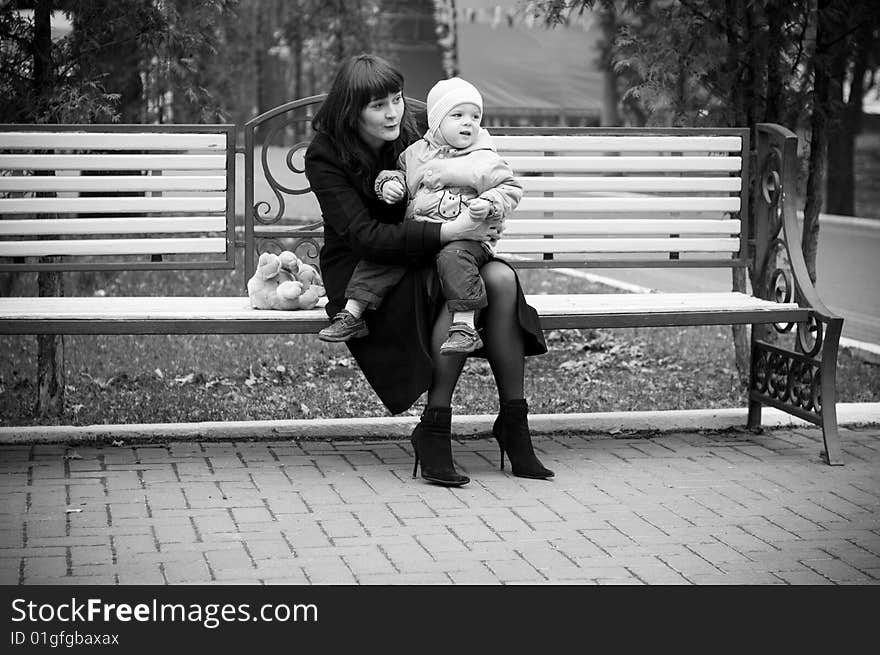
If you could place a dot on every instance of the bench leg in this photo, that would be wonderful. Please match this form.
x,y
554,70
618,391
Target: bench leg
x,y
754,420
794,381
830,435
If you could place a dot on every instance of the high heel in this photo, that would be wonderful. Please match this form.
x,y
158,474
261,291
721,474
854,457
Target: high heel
x,y
511,430
432,445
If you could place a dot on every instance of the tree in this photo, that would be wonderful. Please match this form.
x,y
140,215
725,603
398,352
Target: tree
x,y
94,74
726,63
857,67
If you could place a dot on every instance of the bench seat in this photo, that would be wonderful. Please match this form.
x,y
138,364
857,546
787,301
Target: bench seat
x,y
233,315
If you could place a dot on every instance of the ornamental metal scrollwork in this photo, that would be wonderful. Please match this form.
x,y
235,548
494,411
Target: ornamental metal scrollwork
x,y
759,372
277,188
790,378
771,180
781,285
777,376
305,243
269,245
809,336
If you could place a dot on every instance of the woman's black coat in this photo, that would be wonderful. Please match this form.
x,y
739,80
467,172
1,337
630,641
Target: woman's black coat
x,y
395,357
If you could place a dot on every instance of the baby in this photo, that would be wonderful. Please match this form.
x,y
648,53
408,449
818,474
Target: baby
x,y
453,168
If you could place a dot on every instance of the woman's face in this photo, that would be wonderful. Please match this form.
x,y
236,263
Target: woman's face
x,y
379,121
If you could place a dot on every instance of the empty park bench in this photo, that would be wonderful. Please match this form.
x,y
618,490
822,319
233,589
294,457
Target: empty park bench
x,y
163,197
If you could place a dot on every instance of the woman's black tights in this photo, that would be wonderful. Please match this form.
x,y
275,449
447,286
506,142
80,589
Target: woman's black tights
x,y
502,338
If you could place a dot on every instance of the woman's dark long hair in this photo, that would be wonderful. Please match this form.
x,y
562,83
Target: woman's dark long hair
x,y
360,80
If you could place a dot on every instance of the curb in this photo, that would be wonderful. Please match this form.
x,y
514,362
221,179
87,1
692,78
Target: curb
x,y
400,427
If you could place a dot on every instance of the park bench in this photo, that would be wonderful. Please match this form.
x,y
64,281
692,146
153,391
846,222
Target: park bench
x,y
596,198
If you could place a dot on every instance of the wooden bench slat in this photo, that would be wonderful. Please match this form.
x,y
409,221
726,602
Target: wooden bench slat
x,y
86,307
112,141
561,164
629,215
115,205
112,247
56,183
651,204
600,227
118,225
618,143
630,183
94,162
622,245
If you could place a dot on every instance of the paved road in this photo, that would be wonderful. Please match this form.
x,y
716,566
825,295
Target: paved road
x,y
678,508
849,277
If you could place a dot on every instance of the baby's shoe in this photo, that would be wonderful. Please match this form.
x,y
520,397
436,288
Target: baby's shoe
x,y
344,326
462,339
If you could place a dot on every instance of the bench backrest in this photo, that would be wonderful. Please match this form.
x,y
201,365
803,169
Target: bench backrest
x,y
76,197
635,197
597,197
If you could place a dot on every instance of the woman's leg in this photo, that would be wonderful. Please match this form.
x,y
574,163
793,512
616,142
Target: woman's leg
x,y
447,368
505,351
503,341
432,437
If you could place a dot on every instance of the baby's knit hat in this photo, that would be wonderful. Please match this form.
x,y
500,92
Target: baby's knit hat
x,y
447,94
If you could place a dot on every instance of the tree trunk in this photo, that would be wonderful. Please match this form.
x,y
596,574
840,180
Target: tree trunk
x,y
840,186
50,357
610,116
740,105
773,110
50,348
265,61
829,50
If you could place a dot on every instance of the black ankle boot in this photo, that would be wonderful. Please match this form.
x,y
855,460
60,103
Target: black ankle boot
x,y
511,429
432,443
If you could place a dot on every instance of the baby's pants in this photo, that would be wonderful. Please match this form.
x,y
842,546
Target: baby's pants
x,y
458,266
371,281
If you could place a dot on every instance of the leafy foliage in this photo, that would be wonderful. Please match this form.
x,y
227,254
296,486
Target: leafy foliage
x,y
117,58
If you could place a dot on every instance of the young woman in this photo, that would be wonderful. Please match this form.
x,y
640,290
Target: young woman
x,y
361,129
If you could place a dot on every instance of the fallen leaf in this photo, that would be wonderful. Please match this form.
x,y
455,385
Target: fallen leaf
x,y
118,442
73,455
71,510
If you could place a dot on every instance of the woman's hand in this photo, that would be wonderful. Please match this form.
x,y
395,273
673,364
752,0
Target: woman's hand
x,y
464,227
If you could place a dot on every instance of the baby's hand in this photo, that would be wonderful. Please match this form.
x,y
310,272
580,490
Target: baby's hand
x,y
479,208
392,192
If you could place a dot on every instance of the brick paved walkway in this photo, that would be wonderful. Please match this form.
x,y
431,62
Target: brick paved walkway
x,y
680,508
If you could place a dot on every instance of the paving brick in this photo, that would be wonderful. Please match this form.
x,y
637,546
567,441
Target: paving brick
x,y
471,533
440,544
837,571
371,564
330,571
194,570
35,567
718,553
268,547
515,570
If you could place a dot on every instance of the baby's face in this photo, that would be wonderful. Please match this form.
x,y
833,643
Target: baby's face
x,y
460,126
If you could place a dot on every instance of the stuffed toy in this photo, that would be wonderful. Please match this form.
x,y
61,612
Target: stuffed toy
x,y
284,281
